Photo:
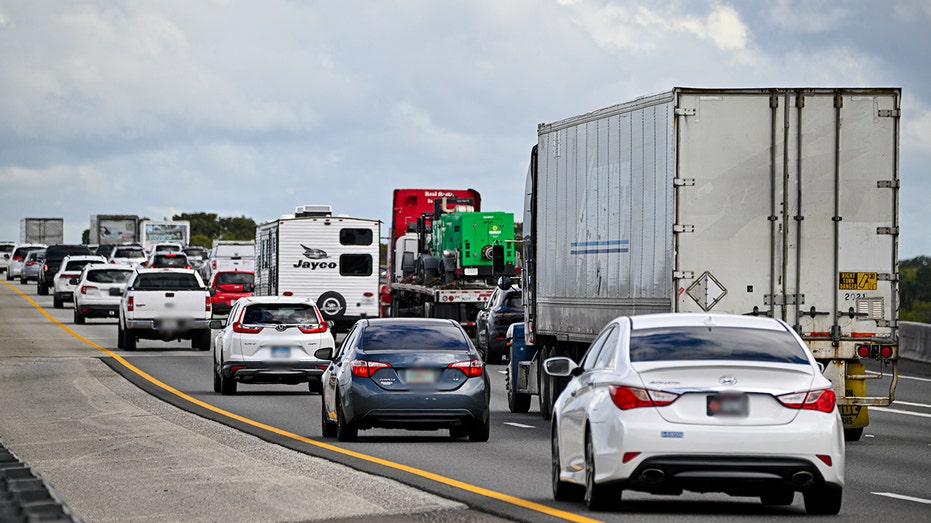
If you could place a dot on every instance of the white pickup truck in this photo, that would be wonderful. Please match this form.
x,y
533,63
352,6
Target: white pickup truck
x,y
165,304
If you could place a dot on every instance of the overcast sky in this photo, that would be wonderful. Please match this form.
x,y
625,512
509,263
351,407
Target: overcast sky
x,y
252,108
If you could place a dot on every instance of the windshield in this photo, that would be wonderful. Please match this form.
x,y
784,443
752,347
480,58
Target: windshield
x,y
109,276
422,338
172,281
242,278
129,252
281,313
715,343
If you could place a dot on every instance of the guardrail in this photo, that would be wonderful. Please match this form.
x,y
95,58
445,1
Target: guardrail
x,y
915,341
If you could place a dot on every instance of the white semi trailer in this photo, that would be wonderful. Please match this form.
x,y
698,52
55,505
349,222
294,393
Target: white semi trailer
x,y
779,202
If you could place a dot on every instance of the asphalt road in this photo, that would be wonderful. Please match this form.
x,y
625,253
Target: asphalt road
x,y
888,471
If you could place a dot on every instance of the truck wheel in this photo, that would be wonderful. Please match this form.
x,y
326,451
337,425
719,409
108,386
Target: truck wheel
x,y
129,340
518,402
201,340
853,434
545,387
120,337
332,305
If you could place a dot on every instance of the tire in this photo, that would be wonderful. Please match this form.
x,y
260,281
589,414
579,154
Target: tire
x,y
332,305
227,385
315,387
458,432
823,500
327,427
345,431
129,340
216,379
480,431
853,434
78,317
9,277
545,388
57,302
518,402
41,289
22,280
778,498
562,490
598,497
201,340
120,337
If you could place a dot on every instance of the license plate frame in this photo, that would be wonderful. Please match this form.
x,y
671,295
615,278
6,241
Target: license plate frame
x,y
281,352
420,376
728,405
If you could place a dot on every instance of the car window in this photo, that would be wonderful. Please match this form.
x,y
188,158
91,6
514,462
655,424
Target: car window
x,y
173,260
606,356
514,301
588,362
109,276
241,278
715,343
280,314
77,265
172,281
408,337
129,252
347,343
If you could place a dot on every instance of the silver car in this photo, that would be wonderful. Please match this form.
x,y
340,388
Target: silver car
x,y
32,264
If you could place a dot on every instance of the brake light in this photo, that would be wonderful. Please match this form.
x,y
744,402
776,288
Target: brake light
x,y
313,330
130,303
112,261
626,398
207,303
886,351
84,288
471,368
863,351
17,258
242,329
365,368
822,400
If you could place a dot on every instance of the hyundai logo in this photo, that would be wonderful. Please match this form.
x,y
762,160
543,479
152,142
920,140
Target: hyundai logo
x,y
728,380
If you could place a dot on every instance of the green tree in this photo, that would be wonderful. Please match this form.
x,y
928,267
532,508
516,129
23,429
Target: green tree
x,y
915,289
207,227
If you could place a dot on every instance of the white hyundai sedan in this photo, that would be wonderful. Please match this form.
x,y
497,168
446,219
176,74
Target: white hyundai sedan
x,y
702,402
270,339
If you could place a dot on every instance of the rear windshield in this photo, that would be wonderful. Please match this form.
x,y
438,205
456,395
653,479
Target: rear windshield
x,y
77,265
6,248
169,261
514,301
23,251
717,343
56,253
171,281
129,252
421,338
195,252
226,278
281,313
36,255
109,276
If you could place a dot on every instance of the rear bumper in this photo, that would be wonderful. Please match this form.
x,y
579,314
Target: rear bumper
x,y
290,372
370,406
98,310
182,325
65,295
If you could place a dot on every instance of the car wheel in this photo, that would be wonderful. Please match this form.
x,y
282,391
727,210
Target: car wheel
x,y
78,317
481,430
227,385
129,340
22,280
853,434
9,277
823,500
518,402
327,427
598,497
562,490
458,432
778,498
345,431
41,289
57,302
315,386
120,337
216,378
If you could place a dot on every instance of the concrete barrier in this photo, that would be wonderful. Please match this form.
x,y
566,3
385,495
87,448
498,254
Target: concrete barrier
x,y
915,341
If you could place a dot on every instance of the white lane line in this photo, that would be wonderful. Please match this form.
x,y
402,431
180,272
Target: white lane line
x,y
901,377
925,405
519,425
900,496
896,411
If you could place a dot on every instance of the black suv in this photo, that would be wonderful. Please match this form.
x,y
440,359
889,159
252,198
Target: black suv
x,y
54,254
503,308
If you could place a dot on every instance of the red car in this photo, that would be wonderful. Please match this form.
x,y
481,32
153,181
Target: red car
x,y
228,286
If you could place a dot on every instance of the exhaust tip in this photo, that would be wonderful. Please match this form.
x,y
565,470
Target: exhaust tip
x,y
803,478
653,475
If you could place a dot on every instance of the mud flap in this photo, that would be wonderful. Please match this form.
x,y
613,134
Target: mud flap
x,y
854,416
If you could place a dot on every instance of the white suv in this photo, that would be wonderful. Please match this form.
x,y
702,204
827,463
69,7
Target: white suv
x,y
132,254
18,258
71,267
6,252
270,339
99,290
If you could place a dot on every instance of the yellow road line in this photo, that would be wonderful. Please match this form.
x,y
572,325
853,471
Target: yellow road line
x,y
537,507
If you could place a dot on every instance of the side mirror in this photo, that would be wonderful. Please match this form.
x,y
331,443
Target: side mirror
x,y
217,324
212,291
325,353
560,366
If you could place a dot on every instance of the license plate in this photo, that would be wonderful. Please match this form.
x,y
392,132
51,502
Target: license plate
x,y
169,324
728,405
281,352
419,377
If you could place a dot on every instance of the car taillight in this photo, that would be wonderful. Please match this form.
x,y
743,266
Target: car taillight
x,y
471,368
243,329
84,288
313,330
112,261
17,258
207,303
130,304
821,400
626,398
365,368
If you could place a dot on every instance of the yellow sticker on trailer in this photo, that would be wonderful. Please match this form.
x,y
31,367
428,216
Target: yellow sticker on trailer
x,y
857,281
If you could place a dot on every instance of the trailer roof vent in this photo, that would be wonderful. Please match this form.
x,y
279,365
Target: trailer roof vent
x,y
308,211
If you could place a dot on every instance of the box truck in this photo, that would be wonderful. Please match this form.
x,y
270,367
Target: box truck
x,y
780,202
113,229
152,232
47,231
330,259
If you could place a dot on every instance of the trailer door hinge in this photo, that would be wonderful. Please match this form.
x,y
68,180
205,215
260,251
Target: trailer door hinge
x,y
683,182
887,184
887,230
683,275
885,276
683,228
889,113
787,299
685,111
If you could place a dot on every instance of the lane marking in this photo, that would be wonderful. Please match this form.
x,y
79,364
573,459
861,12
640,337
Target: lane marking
x,y
901,377
906,412
900,496
500,496
519,425
924,405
